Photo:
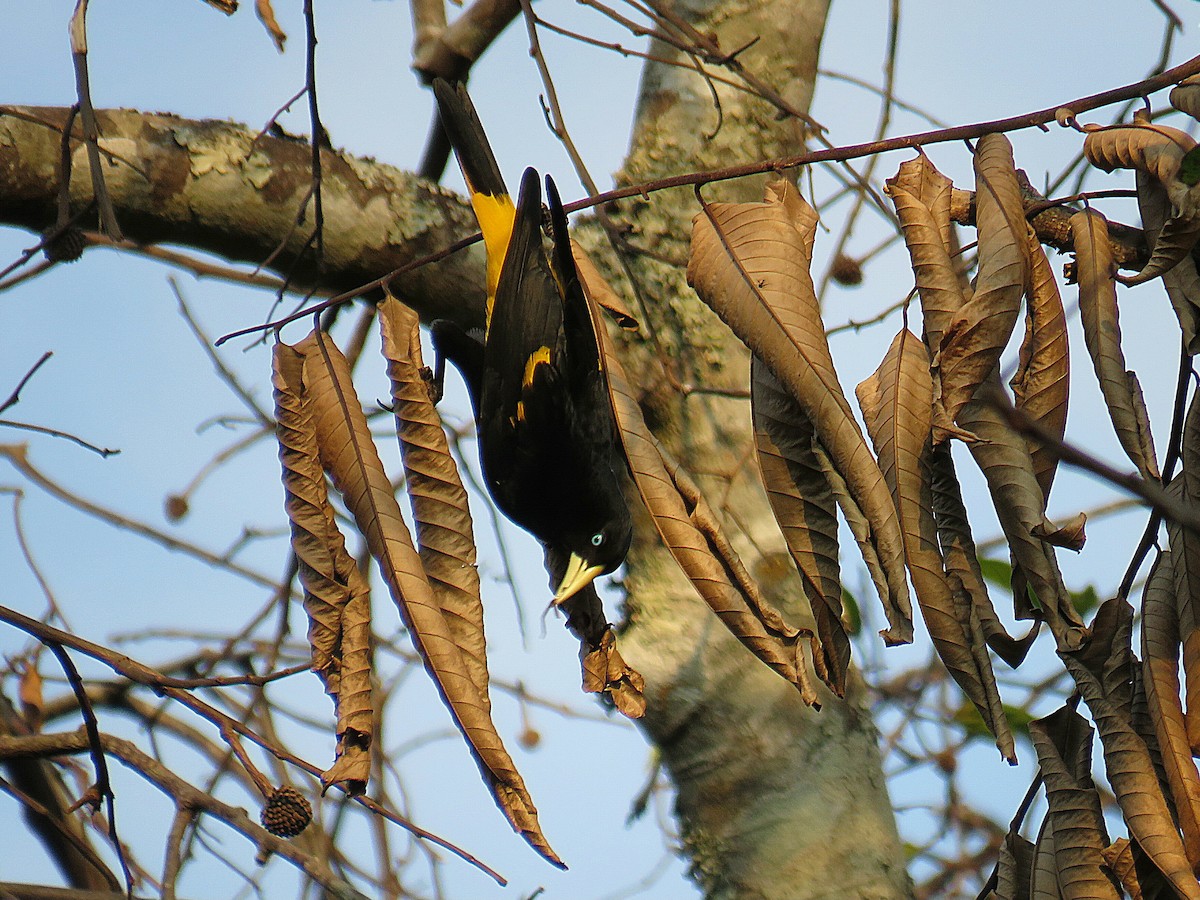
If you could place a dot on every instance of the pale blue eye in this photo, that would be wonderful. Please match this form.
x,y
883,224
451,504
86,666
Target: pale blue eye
x,y
597,540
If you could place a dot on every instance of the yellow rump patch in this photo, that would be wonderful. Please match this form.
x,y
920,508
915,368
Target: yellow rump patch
x,y
496,216
541,356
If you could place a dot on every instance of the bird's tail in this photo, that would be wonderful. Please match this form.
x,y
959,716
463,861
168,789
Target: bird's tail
x,y
489,197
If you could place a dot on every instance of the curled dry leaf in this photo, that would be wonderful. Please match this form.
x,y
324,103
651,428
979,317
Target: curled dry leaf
x,y
805,511
1043,882
750,263
445,536
1183,280
1127,761
1185,96
1003,457
1102,334
337,597
657,479
962,559
1014,867
1063,741
897,405
1156,150
1160,671
266,15
1070,535
1185,550
604,669
1041,384
922,199
349,455
599,292
979,331
1118,856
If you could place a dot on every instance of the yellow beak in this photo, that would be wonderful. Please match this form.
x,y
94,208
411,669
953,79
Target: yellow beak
x,y
578,576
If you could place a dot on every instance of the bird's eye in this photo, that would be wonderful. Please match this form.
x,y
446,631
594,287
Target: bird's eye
x,y
597,539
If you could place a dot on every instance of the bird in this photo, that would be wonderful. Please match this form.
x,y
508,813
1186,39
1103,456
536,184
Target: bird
x,y
548,443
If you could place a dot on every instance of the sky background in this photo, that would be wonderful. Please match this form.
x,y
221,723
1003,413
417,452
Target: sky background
x,y
127,373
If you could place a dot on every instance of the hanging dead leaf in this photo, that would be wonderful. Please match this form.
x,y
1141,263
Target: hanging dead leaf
x,y
1014,867
600,292
805,511
1185,96
1102,333
1042,381
604,669
29,693
749,263
921,196
962,559
336,596
445,536
1003,457
658,479
1181,282
1185,551
1118,856
266,15
1063,741
1160,669
897,405
1070,535
979,331
1157,150
1127,760
1043,884
348,453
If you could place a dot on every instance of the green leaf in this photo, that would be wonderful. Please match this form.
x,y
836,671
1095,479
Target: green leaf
x,y
1189,168
851,617
967,716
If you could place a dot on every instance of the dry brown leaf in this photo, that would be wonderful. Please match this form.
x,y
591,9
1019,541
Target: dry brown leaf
x,y
445,536
897,405
979,331
1063,741
1185,96
805,511
1014,868
1102,333
1042,381
1185,550
337,597
1070,535
599,292
658,482
1127,760
1160,669
1118,856
1157,150
921,196
749,263
1043,884
266,15
29,693
604,670
1183,281
1003,457
349,455
962,559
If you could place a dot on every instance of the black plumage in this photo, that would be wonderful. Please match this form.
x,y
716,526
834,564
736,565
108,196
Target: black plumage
x,y
547,440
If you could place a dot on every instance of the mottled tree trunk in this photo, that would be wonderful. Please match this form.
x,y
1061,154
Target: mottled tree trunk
x,y
774,800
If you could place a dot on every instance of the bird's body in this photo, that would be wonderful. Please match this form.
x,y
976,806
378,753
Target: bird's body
x,y
547,441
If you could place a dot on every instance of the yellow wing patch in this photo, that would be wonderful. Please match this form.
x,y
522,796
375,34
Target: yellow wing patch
x,y
541,356
496,216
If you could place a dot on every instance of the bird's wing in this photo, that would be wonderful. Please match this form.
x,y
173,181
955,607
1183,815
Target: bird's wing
x,y
523,348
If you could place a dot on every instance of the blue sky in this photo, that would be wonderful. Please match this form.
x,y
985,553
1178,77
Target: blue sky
x,y
127,373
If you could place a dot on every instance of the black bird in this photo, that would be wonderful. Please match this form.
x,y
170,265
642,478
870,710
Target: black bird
x,y
547,439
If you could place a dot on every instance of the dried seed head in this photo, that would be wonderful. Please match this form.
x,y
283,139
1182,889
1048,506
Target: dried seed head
x,y
176,507
846,270
287,812
67,247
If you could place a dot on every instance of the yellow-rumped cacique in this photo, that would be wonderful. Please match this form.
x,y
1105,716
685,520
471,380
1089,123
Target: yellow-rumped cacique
x,y
547,440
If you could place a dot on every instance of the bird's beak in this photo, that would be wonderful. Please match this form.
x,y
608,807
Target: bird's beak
x,y
578,576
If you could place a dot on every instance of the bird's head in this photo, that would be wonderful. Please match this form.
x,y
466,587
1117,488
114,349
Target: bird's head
x,y
594,551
